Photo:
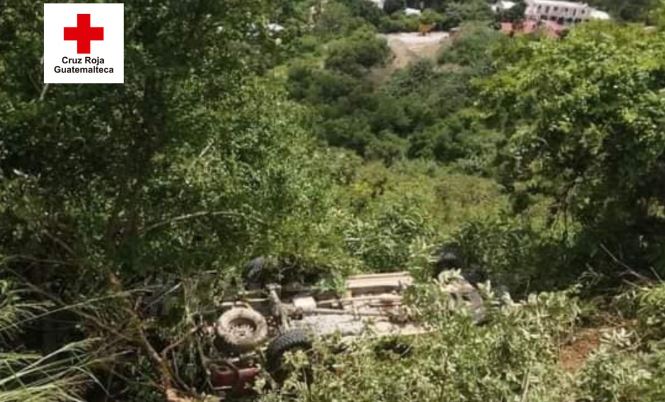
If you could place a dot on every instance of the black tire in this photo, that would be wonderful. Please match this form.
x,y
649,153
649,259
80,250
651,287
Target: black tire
x,y
290,341
448,257
465,295
242,329
254,272
395,346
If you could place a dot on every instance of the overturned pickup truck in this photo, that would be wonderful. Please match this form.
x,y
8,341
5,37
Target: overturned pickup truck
x,y
275,320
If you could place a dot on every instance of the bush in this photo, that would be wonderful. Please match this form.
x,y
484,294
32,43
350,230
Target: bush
x,y
430,16
307,44
472,47
364,9
399,22
387,147
512,355
443,199
651,312
336,20
468,10
616,372
383,237
350,132
358,53
518,254
309,83
594,140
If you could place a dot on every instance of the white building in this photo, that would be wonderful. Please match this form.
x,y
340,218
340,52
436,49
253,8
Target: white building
x,y
412,11
379,3
562,12
502,6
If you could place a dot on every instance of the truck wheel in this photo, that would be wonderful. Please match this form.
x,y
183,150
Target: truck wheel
x,y
289,341
242,328
395,346
254,272
449,257
465,295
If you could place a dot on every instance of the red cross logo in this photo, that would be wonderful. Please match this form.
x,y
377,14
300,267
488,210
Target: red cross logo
x,y
83,33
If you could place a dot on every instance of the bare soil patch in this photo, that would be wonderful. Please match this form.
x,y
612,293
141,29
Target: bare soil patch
x,y
408,47
574,353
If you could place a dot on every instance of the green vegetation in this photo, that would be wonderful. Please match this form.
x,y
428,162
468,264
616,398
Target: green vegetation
x,y
425,110
541,160
600,165
628,10
60,375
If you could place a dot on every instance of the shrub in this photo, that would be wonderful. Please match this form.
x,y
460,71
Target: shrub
x,y
651,312
357,53
364,9
387,147
382,238
399,22
517,253
593,139
429,16
473,47
469,10
618,373
514,354
336,20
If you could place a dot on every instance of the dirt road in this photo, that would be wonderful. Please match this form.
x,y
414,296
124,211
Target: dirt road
x,y
409,47
406,49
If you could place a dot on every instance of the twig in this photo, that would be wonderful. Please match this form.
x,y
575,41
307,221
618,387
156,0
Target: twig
x,y
60,243
176,375
190,216
163,295
206,149
43,93
629,269
660,279
525,385
29,258
91,318
181,340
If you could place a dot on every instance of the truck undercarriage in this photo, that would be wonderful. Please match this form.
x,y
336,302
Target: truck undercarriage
x,y
287,319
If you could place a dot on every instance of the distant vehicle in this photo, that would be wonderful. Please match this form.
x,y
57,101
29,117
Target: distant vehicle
x,y
276,320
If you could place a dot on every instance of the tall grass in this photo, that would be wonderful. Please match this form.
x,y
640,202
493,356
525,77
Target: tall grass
x,y
61,375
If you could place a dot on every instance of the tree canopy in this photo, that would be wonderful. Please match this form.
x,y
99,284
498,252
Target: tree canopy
x,y
287,132
584,120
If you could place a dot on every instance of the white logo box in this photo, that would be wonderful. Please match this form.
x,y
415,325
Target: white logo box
x,y
63,64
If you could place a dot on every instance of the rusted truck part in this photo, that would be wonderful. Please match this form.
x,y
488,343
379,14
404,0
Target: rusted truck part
x,y
232,379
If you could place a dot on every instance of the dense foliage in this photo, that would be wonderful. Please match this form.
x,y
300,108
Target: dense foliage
x,y
628,10
517,355
128,211
601,165
424,110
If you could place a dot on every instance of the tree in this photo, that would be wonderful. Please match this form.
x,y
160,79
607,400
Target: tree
x,y
515,14
357,53
392,6
473,47
585,124
627,10
473,10
364,9
336,20
108,192
656,16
